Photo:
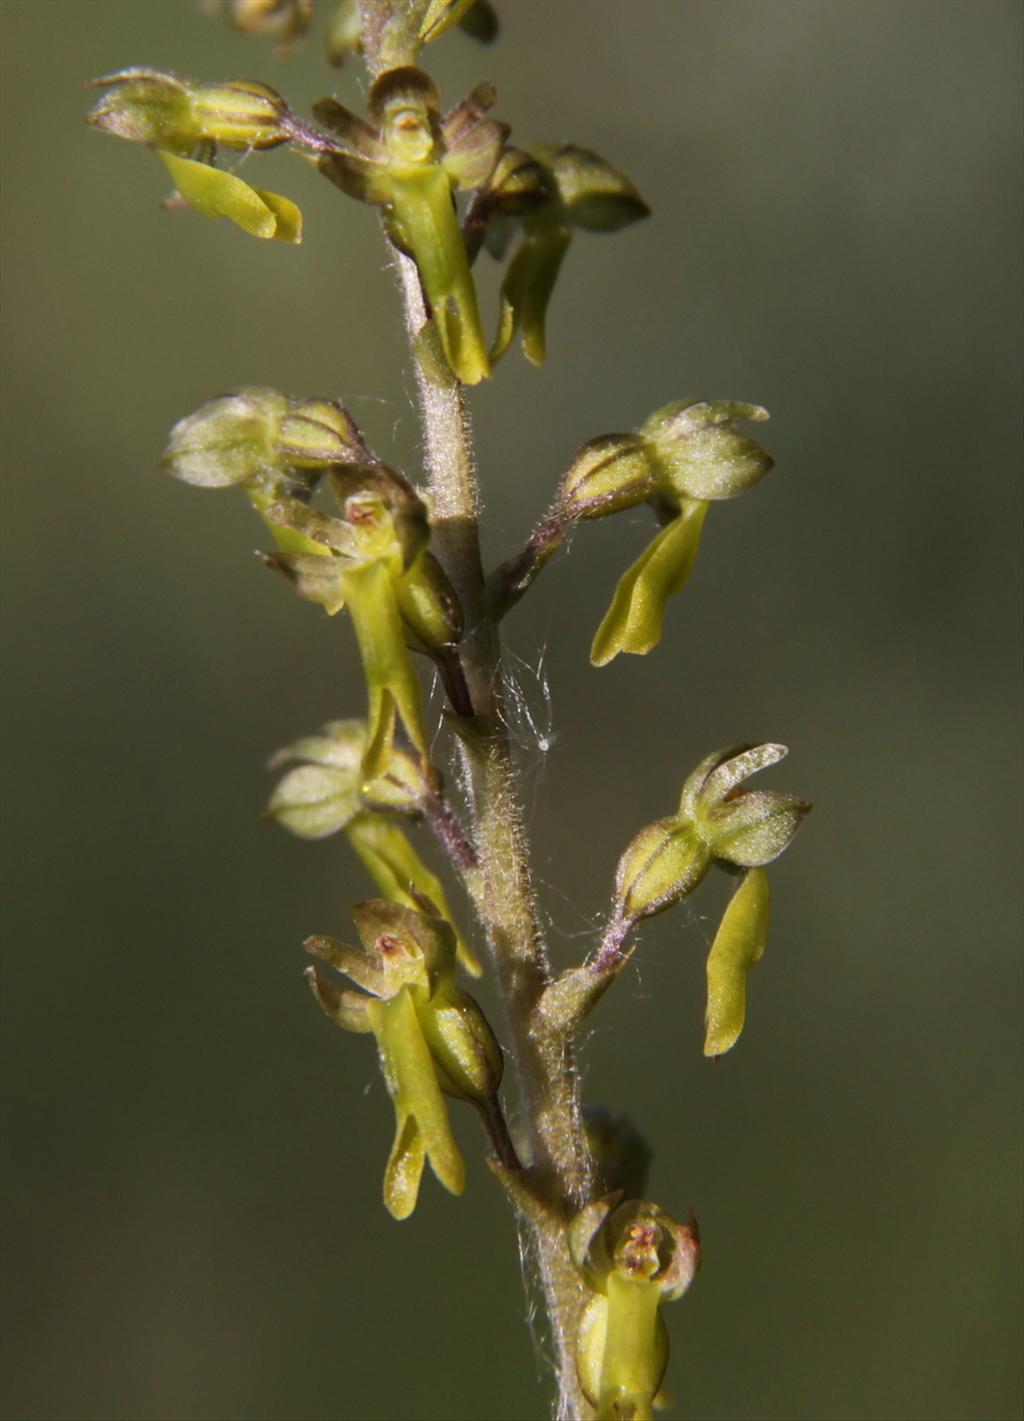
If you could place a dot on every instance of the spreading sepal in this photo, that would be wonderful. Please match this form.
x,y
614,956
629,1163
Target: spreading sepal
x,y
432,1038
634,1257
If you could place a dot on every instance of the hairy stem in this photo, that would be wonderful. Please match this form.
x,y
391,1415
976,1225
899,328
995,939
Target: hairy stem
x,y
558,1160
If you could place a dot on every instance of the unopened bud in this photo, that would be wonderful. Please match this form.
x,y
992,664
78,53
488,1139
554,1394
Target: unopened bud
x,y
464,1047
318,432
285,19
156,107
664,863
607,474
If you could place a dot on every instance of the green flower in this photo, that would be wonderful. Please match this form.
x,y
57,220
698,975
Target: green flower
x,y
684,457
634,1257
718,820
410,161
185,123
432,1038
373,560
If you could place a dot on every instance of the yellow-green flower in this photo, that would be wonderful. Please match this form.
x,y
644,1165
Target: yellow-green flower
x,y
432,1038
411,161
634,1257
185,123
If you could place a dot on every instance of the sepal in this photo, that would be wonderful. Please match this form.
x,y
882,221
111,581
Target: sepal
x,y
700,451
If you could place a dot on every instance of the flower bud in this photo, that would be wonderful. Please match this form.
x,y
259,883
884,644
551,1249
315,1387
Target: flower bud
x,y
465,1049
607,475
429,606
700,452
664,863
317,432
344,35
285,19
155,107
622,1155
480,22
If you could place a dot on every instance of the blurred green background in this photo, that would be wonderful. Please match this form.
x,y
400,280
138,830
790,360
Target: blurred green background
x,y
193,1155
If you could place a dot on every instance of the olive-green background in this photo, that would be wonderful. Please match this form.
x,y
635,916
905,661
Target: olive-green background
x,y
193,1155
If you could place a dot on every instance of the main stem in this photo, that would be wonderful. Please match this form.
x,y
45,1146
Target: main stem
x,y
559,1160
558,1179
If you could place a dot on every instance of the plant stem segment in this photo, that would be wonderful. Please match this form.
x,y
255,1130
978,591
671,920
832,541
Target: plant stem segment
x,y
558,1177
